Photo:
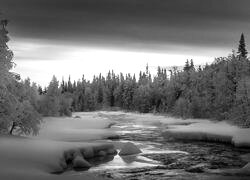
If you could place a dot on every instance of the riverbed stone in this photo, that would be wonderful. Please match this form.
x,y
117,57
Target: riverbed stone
x,y
129,149
199,168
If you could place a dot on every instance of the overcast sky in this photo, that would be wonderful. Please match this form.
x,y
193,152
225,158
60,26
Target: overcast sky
x,y
65,37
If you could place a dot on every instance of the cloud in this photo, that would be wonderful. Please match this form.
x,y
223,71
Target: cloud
x,y
131,24
40,60
91,36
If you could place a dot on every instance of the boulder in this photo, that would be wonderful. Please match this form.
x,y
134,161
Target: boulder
x,y
199,168
80,163
129,149
111,151
102,147
101,153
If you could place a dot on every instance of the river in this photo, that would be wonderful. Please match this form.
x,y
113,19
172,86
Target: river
x,y
163,157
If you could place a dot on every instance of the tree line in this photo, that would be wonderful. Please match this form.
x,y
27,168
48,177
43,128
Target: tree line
x,y
220,91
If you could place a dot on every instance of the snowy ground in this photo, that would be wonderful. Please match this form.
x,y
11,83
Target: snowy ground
x,y
211,131
74,129
38,157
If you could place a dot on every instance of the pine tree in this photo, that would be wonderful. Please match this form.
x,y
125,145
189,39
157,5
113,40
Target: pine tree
x,y
50,105
70,86
242,47
187,66
191,65
40,90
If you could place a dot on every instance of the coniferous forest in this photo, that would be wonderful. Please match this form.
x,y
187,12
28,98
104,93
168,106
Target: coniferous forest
x,y
220,91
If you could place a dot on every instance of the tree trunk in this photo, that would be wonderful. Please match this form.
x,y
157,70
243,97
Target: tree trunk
x,y
12,128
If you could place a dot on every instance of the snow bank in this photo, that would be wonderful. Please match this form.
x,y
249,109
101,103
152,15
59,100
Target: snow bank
x,y
28,155
88,127
211,131
63,143
242,138
49,156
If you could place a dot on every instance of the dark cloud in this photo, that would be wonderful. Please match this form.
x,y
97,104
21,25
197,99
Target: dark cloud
x,y
133,24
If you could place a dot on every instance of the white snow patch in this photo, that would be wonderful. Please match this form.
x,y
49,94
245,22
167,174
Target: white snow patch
x,y
37,157
88,127
211,131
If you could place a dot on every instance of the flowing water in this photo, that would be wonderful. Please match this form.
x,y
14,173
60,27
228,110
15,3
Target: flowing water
x,y
165,158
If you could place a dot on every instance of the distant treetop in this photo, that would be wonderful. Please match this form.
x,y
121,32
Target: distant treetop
x,y
242,47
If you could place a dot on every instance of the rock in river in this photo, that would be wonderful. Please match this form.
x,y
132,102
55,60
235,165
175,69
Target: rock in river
x,y
129,149
199,168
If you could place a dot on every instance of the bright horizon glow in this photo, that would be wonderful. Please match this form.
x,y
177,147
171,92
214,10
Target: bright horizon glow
x,y
40,61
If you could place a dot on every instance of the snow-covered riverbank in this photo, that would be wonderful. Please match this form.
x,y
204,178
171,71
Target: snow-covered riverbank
x,y
60,139
83,135
210,131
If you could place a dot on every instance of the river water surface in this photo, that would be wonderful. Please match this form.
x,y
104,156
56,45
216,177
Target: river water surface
x,y
164,158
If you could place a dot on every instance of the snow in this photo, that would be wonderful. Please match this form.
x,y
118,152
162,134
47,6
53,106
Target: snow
x,y
88,127
27,156
61,139
129,149
242,138
70,139
211,131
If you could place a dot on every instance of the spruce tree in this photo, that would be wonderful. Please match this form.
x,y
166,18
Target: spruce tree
x,y
242,47
187,66
191,67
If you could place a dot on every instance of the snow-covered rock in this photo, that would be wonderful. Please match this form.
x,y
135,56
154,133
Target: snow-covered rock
x,y
80,163
102,153
111,151
199,168
129,149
